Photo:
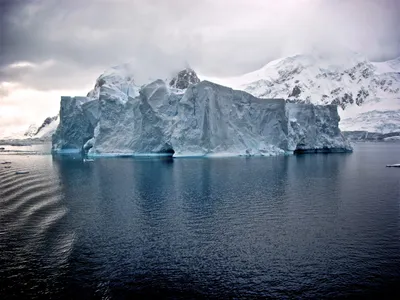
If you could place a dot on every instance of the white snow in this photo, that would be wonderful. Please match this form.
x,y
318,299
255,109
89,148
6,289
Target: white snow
x,y
388,66
377,115
40,130
47,131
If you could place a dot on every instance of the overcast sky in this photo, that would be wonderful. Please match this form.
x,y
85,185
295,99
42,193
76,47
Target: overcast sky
x,y
55,47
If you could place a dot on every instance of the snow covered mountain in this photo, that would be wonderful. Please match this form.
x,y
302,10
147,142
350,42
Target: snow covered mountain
x,y
45,130
31,131
40,132
380,121
362,89
185,117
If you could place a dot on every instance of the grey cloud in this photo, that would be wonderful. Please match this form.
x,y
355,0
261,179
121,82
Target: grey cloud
x,y
83,38
50,75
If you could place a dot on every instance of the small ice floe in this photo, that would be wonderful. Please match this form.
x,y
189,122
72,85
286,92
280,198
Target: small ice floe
x,y
88,160
393,166
21,172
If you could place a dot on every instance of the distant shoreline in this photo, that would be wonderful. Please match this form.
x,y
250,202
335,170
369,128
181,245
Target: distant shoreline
x,y
24,142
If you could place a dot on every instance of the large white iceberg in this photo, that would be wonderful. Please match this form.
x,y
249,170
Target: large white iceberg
x,y
186,117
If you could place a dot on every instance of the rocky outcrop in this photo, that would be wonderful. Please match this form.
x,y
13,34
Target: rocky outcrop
x,y
184,78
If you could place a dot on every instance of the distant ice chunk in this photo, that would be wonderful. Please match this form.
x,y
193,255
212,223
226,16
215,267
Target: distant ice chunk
x,y
393,166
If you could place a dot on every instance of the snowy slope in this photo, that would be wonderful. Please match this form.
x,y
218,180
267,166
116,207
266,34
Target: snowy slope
x,y
41,130
382,121
31,131
347,79
388,66
45,130
48,127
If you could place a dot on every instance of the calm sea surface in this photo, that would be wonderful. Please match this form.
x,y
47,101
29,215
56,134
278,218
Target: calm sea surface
x,y
307,226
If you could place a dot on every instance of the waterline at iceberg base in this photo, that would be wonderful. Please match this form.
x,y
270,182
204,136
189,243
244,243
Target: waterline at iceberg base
x,y
201,119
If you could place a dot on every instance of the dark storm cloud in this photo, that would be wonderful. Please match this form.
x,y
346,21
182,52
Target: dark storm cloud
x,y
68,43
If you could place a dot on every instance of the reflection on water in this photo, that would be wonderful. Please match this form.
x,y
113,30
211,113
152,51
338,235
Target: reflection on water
x,y
298,226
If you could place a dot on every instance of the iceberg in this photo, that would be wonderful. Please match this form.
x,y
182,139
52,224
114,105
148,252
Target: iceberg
x,y
186,117
393,166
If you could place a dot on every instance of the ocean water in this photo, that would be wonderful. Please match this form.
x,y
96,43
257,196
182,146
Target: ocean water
x,y
306,226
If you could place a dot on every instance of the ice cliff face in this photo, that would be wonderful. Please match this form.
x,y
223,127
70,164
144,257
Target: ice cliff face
x,y
75,128
314,128
213,119
183,116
